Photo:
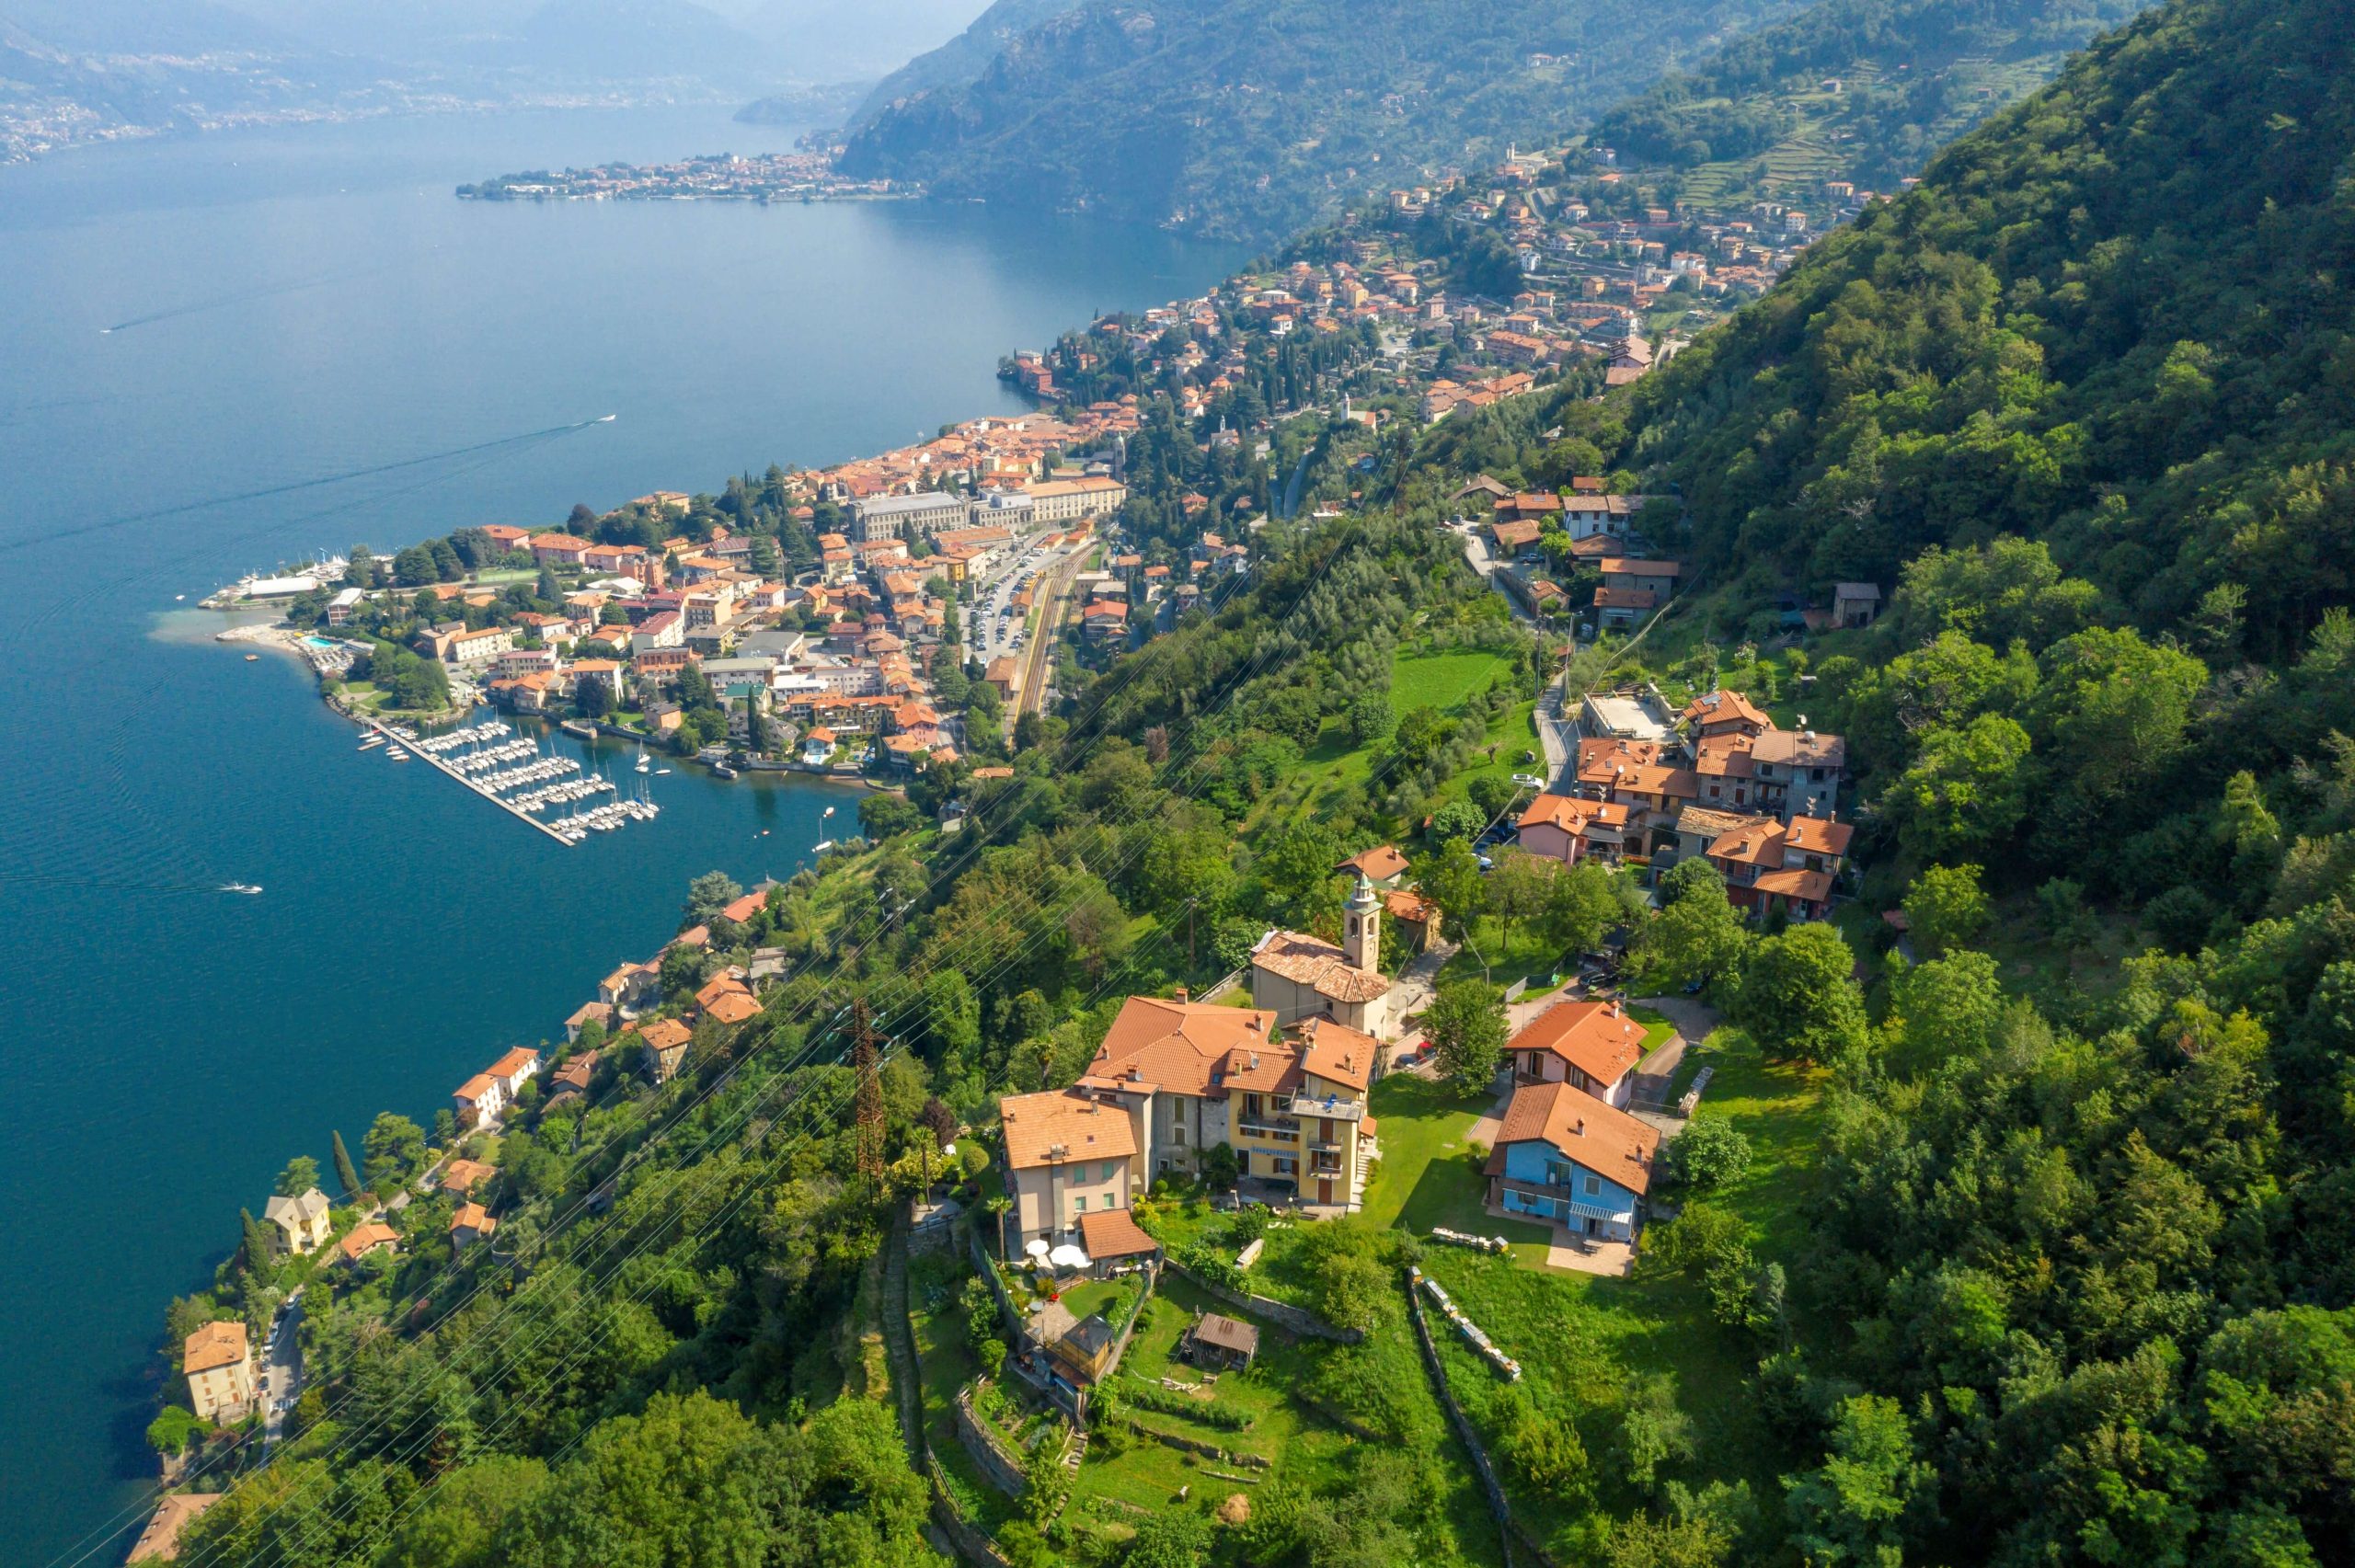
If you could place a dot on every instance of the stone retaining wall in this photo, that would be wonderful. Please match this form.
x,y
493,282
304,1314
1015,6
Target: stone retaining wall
x,y
971,1544
1003,1470
1518,1541
1293,1320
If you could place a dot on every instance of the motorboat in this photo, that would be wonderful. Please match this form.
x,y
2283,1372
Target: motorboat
x,y
249,889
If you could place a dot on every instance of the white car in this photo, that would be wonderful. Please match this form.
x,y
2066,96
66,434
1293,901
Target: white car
x,y
1529,781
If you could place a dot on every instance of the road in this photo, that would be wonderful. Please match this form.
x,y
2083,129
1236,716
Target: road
x,y
281,1371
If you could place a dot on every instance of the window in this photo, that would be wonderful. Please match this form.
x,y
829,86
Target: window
x,y
1079,1202
1110,1168
1593,1186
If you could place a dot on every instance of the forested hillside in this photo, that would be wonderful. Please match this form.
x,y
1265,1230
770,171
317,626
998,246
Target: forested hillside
x,y
2016,1225
1248,119
1871,88
2116,319
963,58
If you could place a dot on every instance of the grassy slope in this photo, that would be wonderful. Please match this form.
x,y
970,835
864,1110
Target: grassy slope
x,y
1580,1338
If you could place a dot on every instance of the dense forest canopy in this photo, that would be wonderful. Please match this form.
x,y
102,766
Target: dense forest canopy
x,y
1748,96
2115,320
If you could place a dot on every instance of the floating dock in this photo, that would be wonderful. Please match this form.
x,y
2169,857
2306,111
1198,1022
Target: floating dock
x,y
419,750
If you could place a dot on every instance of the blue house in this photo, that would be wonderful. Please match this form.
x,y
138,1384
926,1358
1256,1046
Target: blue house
x,y
1566,1156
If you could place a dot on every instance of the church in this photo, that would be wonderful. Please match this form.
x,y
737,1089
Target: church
x,y
1296,976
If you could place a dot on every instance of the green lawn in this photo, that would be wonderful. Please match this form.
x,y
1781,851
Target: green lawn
x,y
1128,1477
1427,1176
1585,1342
1781,1110
1441,679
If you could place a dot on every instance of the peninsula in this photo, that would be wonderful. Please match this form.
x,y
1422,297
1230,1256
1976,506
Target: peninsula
x,y
713,177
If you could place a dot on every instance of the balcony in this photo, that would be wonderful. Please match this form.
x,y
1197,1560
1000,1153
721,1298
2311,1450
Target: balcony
x,y
1307,1107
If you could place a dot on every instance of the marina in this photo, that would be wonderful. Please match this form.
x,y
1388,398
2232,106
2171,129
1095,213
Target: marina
x,y
483,758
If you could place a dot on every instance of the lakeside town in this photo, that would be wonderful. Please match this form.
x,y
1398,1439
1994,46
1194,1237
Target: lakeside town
x,y
715,177
908,619
847,619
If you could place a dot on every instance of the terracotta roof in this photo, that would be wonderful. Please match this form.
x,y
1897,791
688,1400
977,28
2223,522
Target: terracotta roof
x,y
1609,1142
1811,887
1653,779
720,985
576,1073
1725,756
1333,1050
1573,814
1186,1048
160,1541
1626,566
748,906
514,1061
1718,708
1624,598
1400,904
472,1216
1380,863
1818,835
366,1238
1596,1037
731,1008
1114,1234
1600,757
666,1034
1045,1129
1313,962
1758,842
476,1089
591,1013
464,1175
214,1344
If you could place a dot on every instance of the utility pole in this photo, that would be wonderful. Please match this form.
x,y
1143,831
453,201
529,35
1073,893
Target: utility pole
x,y
870,1095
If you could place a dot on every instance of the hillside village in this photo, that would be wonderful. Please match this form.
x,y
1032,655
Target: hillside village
x,y
1374,1026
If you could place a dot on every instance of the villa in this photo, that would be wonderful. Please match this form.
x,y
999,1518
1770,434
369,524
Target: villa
x,y
302,1222
1564,1155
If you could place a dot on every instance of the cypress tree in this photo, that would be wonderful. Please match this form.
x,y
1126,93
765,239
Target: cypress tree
x,y
257,1246
343,1168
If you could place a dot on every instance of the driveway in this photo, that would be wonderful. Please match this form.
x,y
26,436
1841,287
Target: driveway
x,y
281,1376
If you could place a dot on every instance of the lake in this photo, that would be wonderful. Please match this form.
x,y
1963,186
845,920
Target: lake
x,y
309,320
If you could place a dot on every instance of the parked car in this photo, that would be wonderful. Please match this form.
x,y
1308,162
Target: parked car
x,y
1529,781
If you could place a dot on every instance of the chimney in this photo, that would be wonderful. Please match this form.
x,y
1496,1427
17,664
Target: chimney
x,y
1182,996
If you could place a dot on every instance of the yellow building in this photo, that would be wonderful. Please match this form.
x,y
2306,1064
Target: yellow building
x,y
220,1368
303,1222
1191,1076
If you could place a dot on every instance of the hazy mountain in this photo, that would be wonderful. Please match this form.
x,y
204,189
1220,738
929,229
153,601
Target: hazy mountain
x,y
1246,118
639,40
962,59
140,26
829,40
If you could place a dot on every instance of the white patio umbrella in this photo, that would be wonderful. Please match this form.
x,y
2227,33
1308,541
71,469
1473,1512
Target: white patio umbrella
x,y
1038,1247
1067,1256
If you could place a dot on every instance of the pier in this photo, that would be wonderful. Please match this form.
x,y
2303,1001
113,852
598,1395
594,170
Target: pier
x,y
419,750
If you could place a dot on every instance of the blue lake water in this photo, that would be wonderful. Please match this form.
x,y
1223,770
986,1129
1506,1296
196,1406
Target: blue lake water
x,y
311,313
